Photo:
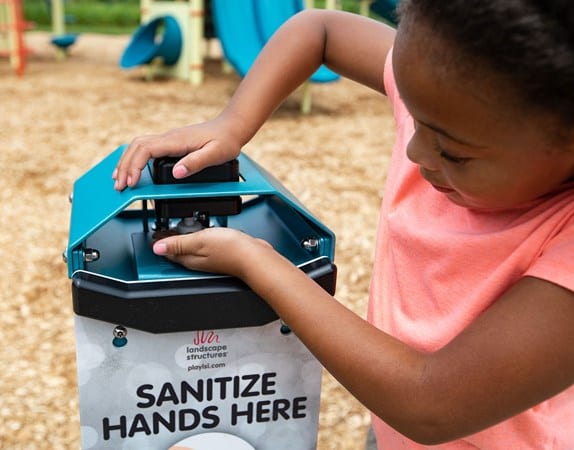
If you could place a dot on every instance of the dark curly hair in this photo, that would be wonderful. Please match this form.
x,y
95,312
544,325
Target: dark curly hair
x,y
530,43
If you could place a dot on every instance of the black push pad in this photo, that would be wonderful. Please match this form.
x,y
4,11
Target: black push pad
x,y
162,172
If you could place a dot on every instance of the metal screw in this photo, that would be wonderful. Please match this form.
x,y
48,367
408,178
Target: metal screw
x,y
120,339
65,255
311,244
91,255
71,197
120,332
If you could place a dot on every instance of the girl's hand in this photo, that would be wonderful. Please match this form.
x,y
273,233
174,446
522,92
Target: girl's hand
x,y
217,250
206,144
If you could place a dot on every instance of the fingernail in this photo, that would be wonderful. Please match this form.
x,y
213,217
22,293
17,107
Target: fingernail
x,y
179,171
115,174
160,248
129,181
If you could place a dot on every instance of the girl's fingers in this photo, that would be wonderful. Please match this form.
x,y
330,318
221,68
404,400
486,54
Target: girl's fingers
x,y
200,146
174,246
209,154
138,153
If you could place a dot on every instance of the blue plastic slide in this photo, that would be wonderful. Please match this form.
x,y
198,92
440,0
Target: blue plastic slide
x,y
236,27
270,14
146,45
244,26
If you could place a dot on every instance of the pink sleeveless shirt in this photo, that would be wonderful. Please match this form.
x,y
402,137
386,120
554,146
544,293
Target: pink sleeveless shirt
x,y
438,265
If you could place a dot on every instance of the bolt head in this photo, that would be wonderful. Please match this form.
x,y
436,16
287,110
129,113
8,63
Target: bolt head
x,y
311,244
120,332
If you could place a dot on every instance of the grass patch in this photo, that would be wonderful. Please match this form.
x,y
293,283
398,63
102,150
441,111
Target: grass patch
x,y
108,16
113,17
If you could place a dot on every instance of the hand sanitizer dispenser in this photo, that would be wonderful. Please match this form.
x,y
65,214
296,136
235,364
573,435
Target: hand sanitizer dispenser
x,y
170,358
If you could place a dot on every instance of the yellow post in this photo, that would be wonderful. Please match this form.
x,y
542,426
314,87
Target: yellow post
x,y
306,100
58,24
364,7
196,51
4,22
8,33
144,10
190,17
11,21
331,4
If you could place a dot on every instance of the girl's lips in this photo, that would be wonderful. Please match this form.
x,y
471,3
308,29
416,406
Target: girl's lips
x,y
438,187
442,189
428,179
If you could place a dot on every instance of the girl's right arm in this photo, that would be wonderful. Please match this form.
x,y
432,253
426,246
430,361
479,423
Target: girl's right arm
x,y
352,45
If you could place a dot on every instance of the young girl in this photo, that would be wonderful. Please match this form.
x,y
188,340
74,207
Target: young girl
x,y
470,335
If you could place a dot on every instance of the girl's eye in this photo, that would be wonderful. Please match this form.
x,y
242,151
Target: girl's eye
x,y
450,158
447,156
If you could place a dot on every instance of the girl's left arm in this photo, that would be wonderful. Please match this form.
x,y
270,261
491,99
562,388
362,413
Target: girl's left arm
x,y
515,355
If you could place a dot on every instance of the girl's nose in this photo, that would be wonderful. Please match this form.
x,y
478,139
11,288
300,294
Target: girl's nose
x,y
420,150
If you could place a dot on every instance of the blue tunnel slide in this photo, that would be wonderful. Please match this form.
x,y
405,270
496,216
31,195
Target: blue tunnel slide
x,y
243,27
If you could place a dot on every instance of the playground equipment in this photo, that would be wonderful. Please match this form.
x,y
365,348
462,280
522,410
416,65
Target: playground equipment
x,y
244,27
146,48
64,41
12,27
173,358
169,28
270,16
60,39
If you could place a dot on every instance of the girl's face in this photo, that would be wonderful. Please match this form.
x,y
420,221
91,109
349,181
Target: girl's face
x,y
470,144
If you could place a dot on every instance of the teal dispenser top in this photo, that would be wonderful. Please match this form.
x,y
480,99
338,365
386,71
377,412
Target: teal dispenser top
x,y
113,268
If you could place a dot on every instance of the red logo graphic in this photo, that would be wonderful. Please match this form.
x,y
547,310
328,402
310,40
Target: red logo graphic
x,y
205,337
